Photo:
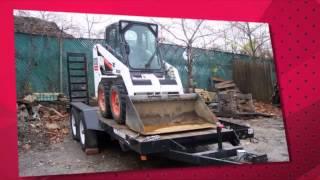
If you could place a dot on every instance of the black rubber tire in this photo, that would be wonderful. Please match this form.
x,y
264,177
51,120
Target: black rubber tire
x,y
121,89
74,114
90,136
106,88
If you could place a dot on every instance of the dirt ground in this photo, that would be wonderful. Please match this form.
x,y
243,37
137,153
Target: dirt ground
x,y
64,156
68,158
269,138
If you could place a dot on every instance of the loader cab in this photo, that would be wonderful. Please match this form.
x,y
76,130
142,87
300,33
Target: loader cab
x,y
112,41
135,44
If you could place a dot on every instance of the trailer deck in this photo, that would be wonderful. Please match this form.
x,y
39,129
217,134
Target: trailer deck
x,y
181,146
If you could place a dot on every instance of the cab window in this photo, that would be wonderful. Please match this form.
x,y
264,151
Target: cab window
x,y
112,40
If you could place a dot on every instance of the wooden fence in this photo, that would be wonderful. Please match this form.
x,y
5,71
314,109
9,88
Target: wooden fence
x,y
255,77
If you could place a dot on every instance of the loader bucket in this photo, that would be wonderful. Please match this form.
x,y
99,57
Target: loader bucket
x,y
167,114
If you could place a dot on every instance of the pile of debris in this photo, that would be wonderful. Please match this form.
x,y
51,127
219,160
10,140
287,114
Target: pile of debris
x,y
56,124
233,102
267,109
230,102
41,123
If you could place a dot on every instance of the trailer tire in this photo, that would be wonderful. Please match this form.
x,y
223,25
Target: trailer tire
x,y
103,98
74,124
118,102
88,138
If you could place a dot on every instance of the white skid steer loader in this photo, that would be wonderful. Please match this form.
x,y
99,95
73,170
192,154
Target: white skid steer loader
x,y
134,86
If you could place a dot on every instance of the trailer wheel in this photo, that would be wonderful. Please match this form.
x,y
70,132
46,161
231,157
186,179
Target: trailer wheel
x,y
74,123
88,138
117,103
103,99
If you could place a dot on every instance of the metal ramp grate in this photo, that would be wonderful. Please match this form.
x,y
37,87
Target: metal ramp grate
x,y
77,77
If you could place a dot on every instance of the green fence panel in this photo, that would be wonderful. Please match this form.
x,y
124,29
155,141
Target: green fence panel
x,y
38,62
206,63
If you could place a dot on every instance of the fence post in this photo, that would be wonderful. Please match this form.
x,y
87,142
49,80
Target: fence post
x,y
60,62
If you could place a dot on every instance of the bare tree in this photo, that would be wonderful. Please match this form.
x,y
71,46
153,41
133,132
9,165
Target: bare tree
x,y
67,25
229,39
188,33
91,21
47,16
91,28
250,38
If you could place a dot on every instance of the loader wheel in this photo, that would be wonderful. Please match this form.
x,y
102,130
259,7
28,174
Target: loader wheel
x,y
88,138
103,99
74,123
117,103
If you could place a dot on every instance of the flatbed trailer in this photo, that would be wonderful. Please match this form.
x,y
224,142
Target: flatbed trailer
x,y
189,146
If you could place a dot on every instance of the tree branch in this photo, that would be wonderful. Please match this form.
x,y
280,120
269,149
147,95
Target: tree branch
x,y
172,34
196,30
184,30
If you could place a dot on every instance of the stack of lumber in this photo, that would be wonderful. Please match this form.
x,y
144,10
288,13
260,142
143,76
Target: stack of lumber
x,y
221,85
230,101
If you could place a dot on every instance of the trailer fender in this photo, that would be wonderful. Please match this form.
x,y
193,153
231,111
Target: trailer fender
x,y
89,115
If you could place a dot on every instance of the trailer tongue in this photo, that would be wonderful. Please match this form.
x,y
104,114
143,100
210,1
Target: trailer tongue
x,y
149,115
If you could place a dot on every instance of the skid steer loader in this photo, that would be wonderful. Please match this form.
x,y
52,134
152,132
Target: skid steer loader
x,y
135,87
